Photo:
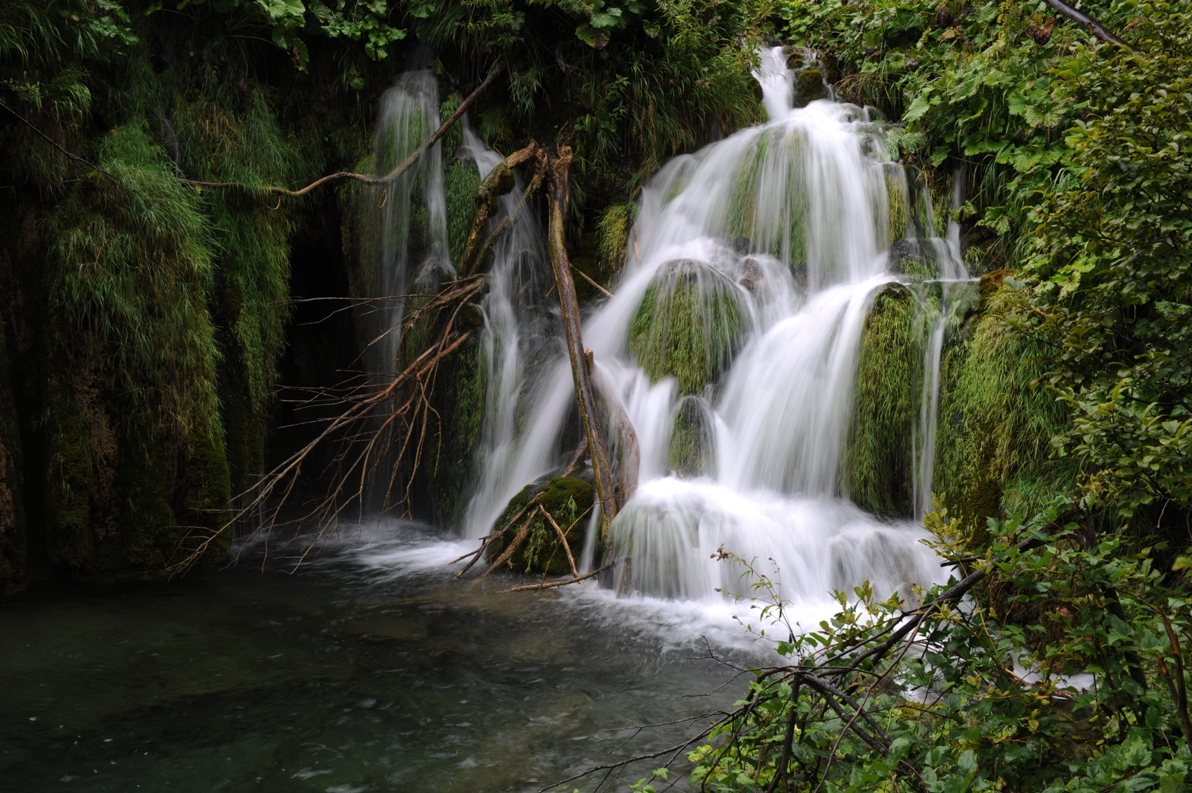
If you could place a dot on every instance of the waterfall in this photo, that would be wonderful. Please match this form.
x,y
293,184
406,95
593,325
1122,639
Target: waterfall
x,y
516,328
732,343
406,236
412,216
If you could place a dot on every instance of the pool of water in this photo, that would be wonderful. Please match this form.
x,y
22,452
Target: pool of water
x,y
366,669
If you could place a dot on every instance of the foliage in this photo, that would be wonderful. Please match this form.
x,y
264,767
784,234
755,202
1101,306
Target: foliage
x,y
996,419
1091,699
289,22
1114,267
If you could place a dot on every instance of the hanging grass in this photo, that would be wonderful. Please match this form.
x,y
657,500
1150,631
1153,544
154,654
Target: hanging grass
x,y
128,286
688,325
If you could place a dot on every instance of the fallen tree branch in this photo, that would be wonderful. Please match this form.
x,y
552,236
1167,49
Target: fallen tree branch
x,y
569,306
522,534
553,584
1088,23
562,539
499,181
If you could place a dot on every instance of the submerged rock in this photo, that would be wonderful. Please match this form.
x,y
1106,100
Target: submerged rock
x,y
568,501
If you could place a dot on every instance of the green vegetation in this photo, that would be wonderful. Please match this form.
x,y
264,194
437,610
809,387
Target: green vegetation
x,y
879,466
982,704
688,325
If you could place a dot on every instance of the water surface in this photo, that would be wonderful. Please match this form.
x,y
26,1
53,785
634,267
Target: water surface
x,y
365,670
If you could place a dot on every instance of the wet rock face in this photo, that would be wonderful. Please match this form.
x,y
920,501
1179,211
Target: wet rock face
x,y
567,501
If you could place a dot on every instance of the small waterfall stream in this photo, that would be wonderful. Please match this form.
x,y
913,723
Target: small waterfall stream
x,y
776,239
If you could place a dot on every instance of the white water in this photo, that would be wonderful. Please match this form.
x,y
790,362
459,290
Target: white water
x,y
791,219
408,113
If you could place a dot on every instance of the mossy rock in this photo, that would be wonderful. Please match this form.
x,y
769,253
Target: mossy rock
x,y
809,86
995,429
689,325
692,449
912,257
879,467
568,501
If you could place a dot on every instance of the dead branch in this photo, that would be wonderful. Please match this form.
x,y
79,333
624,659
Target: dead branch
x,y
585,276
569,305
562,539
499,181
1088,23
52,142
577,459
365,178
565,582
521,536
479,553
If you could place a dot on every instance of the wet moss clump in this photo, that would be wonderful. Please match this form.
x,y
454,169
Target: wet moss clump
x,y
778,228
809,86
879,467
688,326
692,449
568,501
996,423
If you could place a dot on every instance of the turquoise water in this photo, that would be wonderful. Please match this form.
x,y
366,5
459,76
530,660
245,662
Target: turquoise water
x,y
365,670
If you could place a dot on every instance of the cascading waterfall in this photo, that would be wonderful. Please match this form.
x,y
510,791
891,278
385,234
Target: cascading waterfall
x,y
732,343
515,328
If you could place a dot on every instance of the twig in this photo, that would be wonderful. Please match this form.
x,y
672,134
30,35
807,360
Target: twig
x,y
584,276
562,539
53,143
553,584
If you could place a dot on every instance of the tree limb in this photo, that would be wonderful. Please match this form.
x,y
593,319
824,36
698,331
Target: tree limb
x,y
1088,23
365,178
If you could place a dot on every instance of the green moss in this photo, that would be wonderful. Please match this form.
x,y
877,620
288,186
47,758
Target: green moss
x,y
688,325
461,183
460,402
996,423
897,203
692,445
879,467
612,239
148,525
72,485
567,500
809,86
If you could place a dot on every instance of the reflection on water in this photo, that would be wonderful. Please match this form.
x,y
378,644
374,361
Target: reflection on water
x,y
366,670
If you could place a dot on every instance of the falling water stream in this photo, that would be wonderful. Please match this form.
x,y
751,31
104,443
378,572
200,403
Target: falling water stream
x,y
369,670
785,227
